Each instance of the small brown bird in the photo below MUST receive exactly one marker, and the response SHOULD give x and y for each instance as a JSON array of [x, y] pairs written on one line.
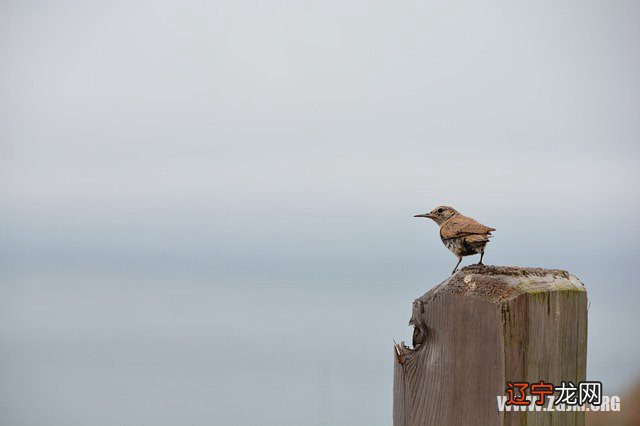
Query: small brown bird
[[462, 235]]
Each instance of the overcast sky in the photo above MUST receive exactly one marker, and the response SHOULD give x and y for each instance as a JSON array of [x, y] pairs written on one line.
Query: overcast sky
[[281, 148]]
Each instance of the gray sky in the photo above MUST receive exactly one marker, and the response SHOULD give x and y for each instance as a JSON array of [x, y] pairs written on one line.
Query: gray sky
[[174, 173]]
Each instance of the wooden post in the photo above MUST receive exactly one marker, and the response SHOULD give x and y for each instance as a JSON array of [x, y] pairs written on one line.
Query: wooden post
[[481, 328]]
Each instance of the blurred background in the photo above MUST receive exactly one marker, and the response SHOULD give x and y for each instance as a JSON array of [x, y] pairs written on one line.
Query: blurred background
[[206, 207]]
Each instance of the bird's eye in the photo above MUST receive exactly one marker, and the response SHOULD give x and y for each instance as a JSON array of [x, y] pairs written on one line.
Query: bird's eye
[[440, 210]]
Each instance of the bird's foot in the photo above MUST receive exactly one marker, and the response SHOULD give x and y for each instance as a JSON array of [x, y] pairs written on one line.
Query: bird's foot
[[480, 263]]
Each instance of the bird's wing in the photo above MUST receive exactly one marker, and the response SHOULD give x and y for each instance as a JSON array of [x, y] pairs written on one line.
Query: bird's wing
[[477, 238], [460, 226]]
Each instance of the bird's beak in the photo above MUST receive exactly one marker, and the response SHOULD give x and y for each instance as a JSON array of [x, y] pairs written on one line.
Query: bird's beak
[[429, 215]]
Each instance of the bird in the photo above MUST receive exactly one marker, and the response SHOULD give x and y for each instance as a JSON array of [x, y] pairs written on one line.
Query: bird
[[462, 235]]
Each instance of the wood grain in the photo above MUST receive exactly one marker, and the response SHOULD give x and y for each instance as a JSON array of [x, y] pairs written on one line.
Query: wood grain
[[483, 327]]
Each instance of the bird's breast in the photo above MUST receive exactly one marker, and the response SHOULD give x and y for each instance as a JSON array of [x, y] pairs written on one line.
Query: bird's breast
[[453, 244]]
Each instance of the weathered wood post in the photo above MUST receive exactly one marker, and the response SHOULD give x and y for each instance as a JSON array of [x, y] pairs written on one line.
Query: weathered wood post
[[484, 327]]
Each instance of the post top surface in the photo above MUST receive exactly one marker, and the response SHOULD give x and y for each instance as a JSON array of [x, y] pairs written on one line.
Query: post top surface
[[500, 283]]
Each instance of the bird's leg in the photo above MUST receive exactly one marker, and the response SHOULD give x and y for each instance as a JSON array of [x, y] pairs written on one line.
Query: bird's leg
[[481, 256], [454, 269]]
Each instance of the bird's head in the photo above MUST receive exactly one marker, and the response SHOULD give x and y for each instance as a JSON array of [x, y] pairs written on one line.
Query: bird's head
[[440, 214]]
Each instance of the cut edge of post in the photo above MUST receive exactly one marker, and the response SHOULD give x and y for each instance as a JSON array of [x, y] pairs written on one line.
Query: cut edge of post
[[479, 281]]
